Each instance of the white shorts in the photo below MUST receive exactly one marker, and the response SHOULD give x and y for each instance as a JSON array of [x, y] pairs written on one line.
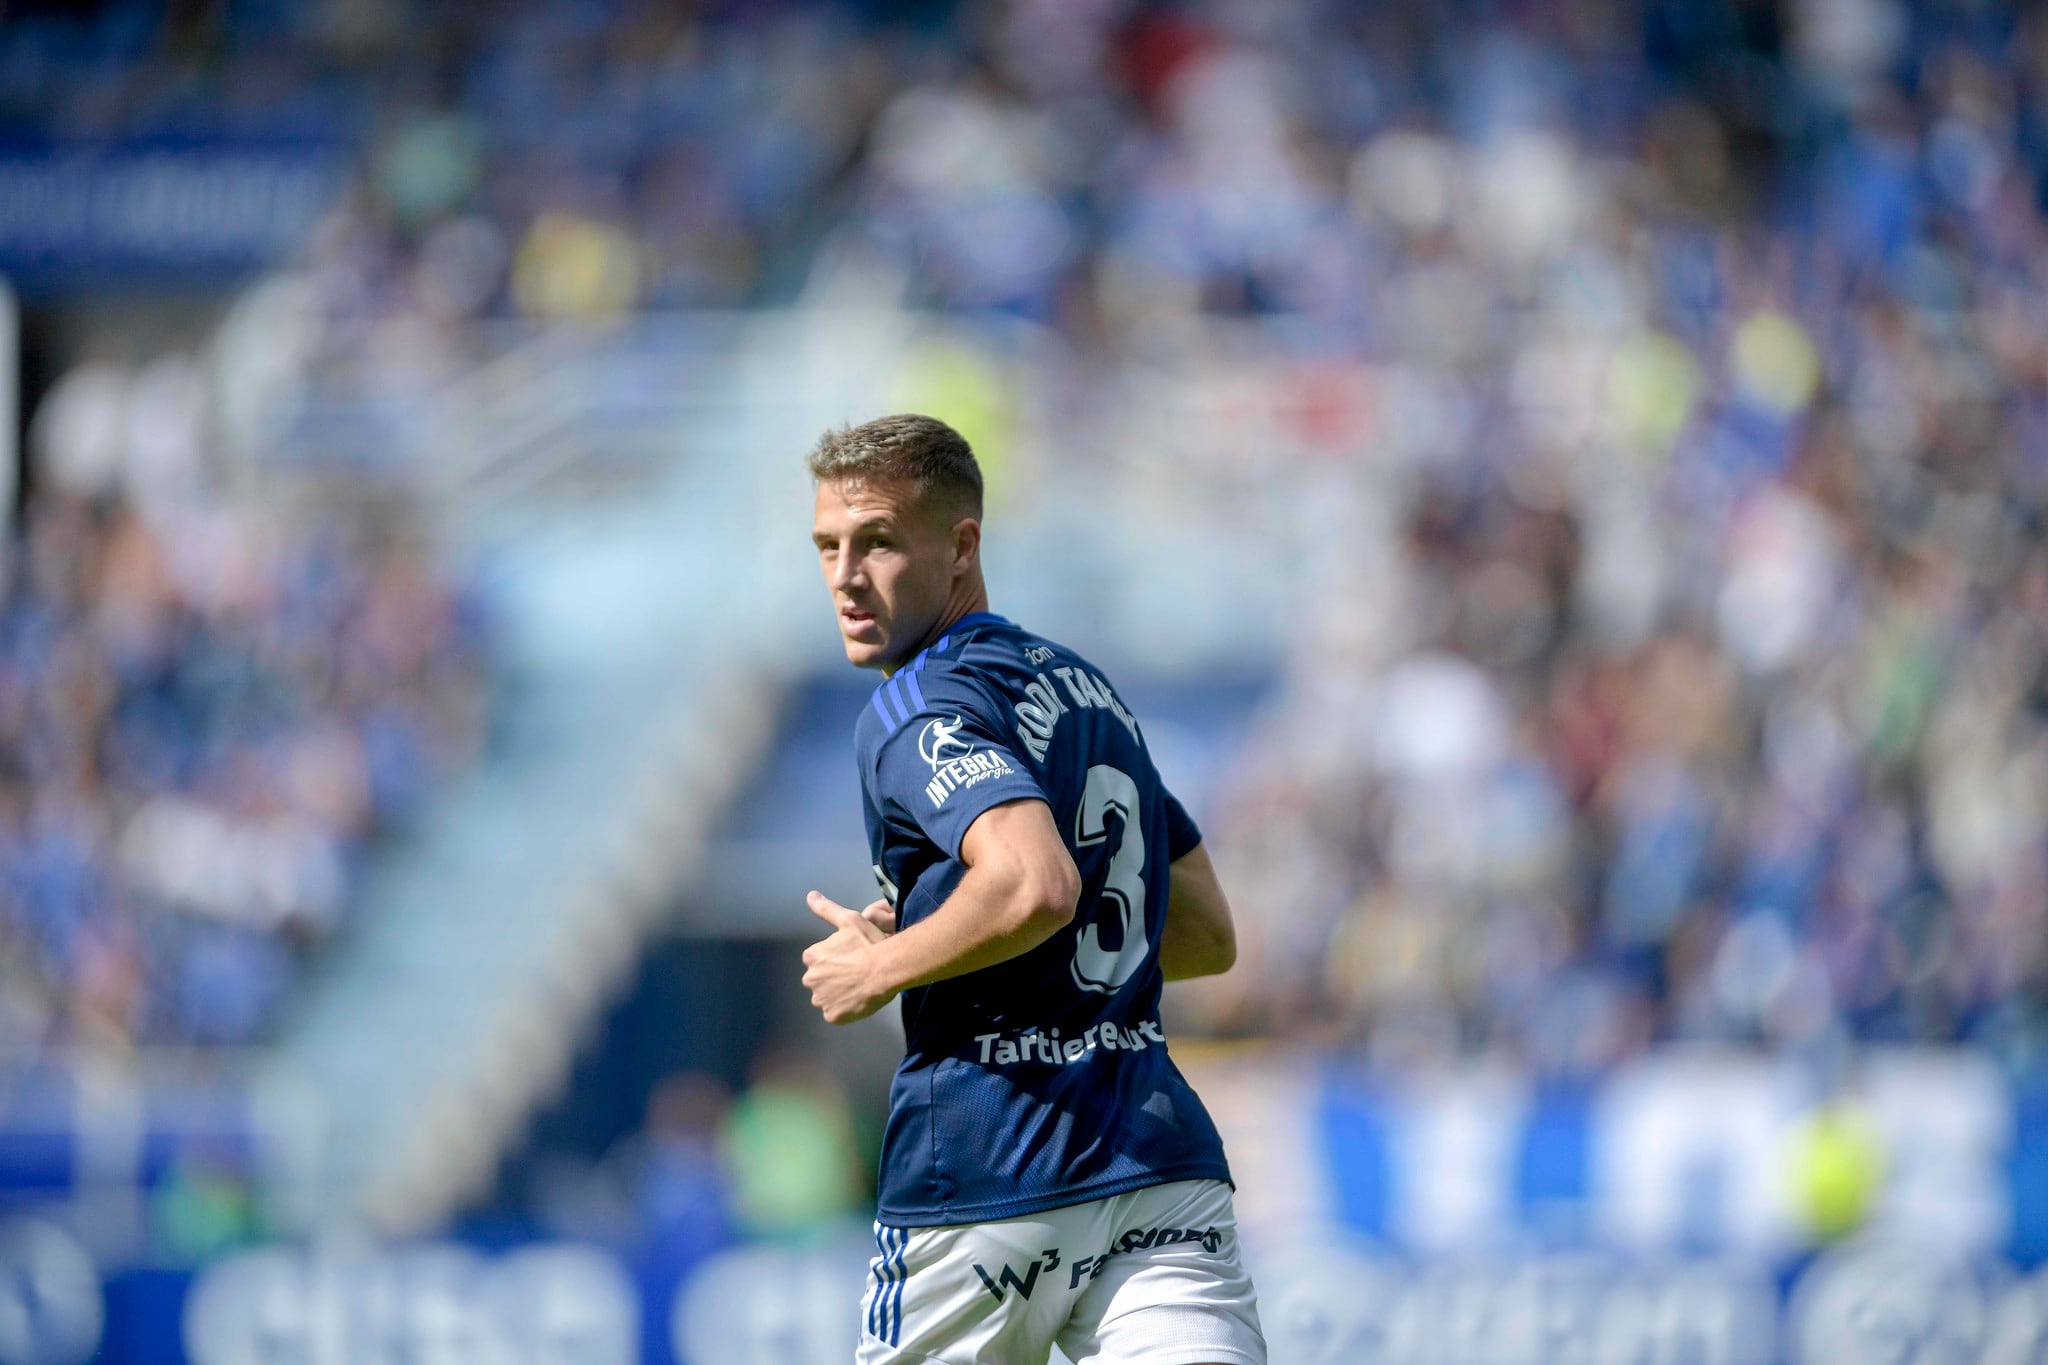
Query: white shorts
[[1146, 1278]]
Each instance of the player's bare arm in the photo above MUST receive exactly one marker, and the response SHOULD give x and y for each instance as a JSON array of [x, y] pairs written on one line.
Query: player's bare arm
[[1199, 939], [1020, 888]]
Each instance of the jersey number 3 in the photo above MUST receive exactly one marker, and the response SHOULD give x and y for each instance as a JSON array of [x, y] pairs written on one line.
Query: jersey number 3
[[1097, 968]]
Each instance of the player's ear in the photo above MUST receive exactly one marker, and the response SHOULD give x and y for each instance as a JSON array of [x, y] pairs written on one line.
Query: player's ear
[[966, 544]]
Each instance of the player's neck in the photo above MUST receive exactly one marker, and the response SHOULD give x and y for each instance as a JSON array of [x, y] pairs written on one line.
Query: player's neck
[[971, 598]]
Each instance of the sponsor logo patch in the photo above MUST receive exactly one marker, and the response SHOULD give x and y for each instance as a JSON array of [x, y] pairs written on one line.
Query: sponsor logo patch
[[956, 763], [940, 742]]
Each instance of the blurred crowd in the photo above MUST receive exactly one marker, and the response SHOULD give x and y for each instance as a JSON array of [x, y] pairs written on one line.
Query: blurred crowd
[[1673, 460], [211, 707], [1655, 397]]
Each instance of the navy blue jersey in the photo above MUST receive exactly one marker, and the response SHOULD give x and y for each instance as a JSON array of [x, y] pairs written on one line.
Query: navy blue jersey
[[1042, 1081]]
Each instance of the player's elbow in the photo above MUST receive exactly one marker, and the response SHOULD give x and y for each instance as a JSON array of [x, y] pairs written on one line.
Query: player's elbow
[[1053, 893], [1218, 948], [1015, 851], [1045, 893], [1199, 947]]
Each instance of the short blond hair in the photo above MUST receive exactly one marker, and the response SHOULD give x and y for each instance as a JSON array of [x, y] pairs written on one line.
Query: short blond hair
[[908, 448]]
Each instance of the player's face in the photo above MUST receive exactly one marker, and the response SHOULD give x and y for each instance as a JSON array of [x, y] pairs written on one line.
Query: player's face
[[889, 569]]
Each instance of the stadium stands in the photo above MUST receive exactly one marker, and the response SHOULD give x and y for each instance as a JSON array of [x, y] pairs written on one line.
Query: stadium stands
[[1670, 445], [210, 717], [1607, 440]]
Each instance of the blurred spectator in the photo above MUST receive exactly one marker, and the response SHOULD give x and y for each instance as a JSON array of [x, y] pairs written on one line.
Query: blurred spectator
[[572, 268], [203, 1207], [789, 1142], [680, 1183], [1837, 1168], [78, 441]]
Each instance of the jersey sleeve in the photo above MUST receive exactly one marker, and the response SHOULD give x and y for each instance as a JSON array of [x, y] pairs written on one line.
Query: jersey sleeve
[[1182, 835], [943, 763]]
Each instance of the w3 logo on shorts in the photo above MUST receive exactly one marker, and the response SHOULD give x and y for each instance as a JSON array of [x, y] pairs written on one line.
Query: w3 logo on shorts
[[1008, 1279]]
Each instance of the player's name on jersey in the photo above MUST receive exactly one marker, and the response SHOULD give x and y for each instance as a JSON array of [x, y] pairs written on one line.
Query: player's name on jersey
[[1039, 715], [1035, 1045]]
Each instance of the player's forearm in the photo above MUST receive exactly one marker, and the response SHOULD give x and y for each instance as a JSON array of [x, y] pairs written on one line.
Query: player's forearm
[[1196, 944], [1199, 938], [993, 915]]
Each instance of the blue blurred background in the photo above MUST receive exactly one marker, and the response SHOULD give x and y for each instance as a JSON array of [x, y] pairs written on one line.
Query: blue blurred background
[[1562, 482]]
